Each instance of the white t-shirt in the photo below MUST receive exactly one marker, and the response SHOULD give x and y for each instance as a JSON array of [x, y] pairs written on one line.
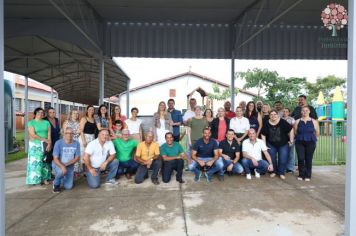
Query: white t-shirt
[[188, 114], [133, 126], [254, 150], [99, 154], [239, 125]]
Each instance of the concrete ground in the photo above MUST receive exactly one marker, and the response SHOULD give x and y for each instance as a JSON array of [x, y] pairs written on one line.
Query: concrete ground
[[235, 207]]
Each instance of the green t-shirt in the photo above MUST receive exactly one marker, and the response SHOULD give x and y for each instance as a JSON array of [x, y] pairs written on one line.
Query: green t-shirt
[[197, 126], [172, 151], [124, 149], [40, 127]]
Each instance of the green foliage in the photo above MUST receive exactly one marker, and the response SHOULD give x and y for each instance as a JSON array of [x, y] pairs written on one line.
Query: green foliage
[[20, 139], [221, 95], [326, 85]]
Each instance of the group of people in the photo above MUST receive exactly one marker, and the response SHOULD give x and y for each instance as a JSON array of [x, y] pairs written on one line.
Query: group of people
[[253, 140]]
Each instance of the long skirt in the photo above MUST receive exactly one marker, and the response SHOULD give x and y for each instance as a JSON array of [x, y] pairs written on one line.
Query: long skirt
[[37, 170]]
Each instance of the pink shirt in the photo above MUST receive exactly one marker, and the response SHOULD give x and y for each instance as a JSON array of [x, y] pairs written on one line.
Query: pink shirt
[[222, 130]]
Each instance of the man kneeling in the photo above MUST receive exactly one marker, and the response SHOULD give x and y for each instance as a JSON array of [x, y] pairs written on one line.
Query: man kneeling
[[99, 156], [173, 159], [66, 152], [252, 149], [205, 155]]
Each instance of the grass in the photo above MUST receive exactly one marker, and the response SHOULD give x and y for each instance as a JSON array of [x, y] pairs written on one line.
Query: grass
[[20, 139]]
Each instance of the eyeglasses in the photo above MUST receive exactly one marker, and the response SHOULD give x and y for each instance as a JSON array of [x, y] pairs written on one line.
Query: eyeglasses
[[68, 133]]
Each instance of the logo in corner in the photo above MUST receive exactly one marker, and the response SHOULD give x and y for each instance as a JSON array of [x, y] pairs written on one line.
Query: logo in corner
[[334, 17]]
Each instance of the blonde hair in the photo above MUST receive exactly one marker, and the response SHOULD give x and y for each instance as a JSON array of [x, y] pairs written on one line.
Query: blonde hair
[[69, 118]]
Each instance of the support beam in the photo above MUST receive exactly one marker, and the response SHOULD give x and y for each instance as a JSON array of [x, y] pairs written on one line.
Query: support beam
[[350, 191], [26, 114], [52, 99], [128, 99], [2, 122], [101, 81], [232, 87]]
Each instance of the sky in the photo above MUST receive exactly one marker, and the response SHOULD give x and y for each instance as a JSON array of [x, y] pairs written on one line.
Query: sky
[[146, 70]]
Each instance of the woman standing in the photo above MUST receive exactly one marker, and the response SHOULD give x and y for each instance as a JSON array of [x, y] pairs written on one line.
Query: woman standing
[[116, 115], [240, 125], [209, 115], [39, 130], [291, 121], [219, 126], [134, 125], [253, 117], [73, 123], [197, 125], [55, 131], [87, 131], [307, 132], [265, 113], [278, 134], [162, 123], [102, 119]]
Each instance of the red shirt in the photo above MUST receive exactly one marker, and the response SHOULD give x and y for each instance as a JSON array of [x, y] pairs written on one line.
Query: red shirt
[[222, 130], [230, 114]]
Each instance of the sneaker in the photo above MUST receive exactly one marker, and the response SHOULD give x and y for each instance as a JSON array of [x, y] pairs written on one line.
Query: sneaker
[[307, 179], [181, 181], [248, 176], [272, 175], [282, 177], [208, 178], [300, 178], [111, 182], [155, 181], [221, 178], [56, 189], [197, 177], [257, 175]]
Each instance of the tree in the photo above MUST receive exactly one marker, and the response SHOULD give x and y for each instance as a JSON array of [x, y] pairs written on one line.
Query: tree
[[221, 95], [263, 80], [326, 85]]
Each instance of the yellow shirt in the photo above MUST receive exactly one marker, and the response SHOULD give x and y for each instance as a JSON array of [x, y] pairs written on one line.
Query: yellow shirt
[[147, 153]]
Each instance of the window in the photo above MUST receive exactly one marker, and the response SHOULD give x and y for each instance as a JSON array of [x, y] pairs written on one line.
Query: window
[[18, 105], [172, 93], [32, 105]]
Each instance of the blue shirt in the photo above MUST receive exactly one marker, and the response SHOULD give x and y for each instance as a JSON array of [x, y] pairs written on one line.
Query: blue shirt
[[66, 152], [176, 117], [205, 150]]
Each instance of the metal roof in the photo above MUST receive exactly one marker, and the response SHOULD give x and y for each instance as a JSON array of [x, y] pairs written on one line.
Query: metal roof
[[71, 70]]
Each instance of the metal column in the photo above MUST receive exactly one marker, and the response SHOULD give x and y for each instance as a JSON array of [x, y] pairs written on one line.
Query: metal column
[[128, 99], [101, 81], [2, 122], [26, 114], [52, 100], [350, 197], [232, 88]]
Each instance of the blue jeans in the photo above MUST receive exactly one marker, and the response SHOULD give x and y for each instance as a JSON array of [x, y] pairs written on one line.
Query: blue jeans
[[216, 167], [130, 166], [291, 161], [236, 169], [94, 181], [66, 180], [279, 167], [248, 166]]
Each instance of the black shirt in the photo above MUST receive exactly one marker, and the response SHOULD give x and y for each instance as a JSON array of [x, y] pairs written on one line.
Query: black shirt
[[214, 126], [297, 113], [228, 149], [277, 135]]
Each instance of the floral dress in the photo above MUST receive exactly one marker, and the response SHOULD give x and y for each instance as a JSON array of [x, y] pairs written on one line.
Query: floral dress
[[37, 170]]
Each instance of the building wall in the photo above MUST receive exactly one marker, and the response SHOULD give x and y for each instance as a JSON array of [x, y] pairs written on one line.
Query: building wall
[[147, 99]]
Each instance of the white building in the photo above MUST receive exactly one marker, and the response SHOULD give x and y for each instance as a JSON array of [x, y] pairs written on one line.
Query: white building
[[181, 88]]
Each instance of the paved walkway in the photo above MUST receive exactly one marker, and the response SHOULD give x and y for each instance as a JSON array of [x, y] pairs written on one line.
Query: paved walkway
[[235, 207]]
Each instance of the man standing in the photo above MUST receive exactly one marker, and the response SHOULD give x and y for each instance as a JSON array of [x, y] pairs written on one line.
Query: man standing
[[173, 159], [190, 113], [278, 106], [297, 113], [147, 155], [125, 149], [228, 113], [66, 152], [205, 155], [177, 119], [229, 150], [243, 106], [259, 105], [252, 149], [100, 155]]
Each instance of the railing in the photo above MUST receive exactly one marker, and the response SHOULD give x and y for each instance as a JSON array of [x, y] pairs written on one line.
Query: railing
[[331, 146]]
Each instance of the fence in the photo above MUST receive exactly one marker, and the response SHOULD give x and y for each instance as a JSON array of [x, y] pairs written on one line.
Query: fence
[[331, 146]]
